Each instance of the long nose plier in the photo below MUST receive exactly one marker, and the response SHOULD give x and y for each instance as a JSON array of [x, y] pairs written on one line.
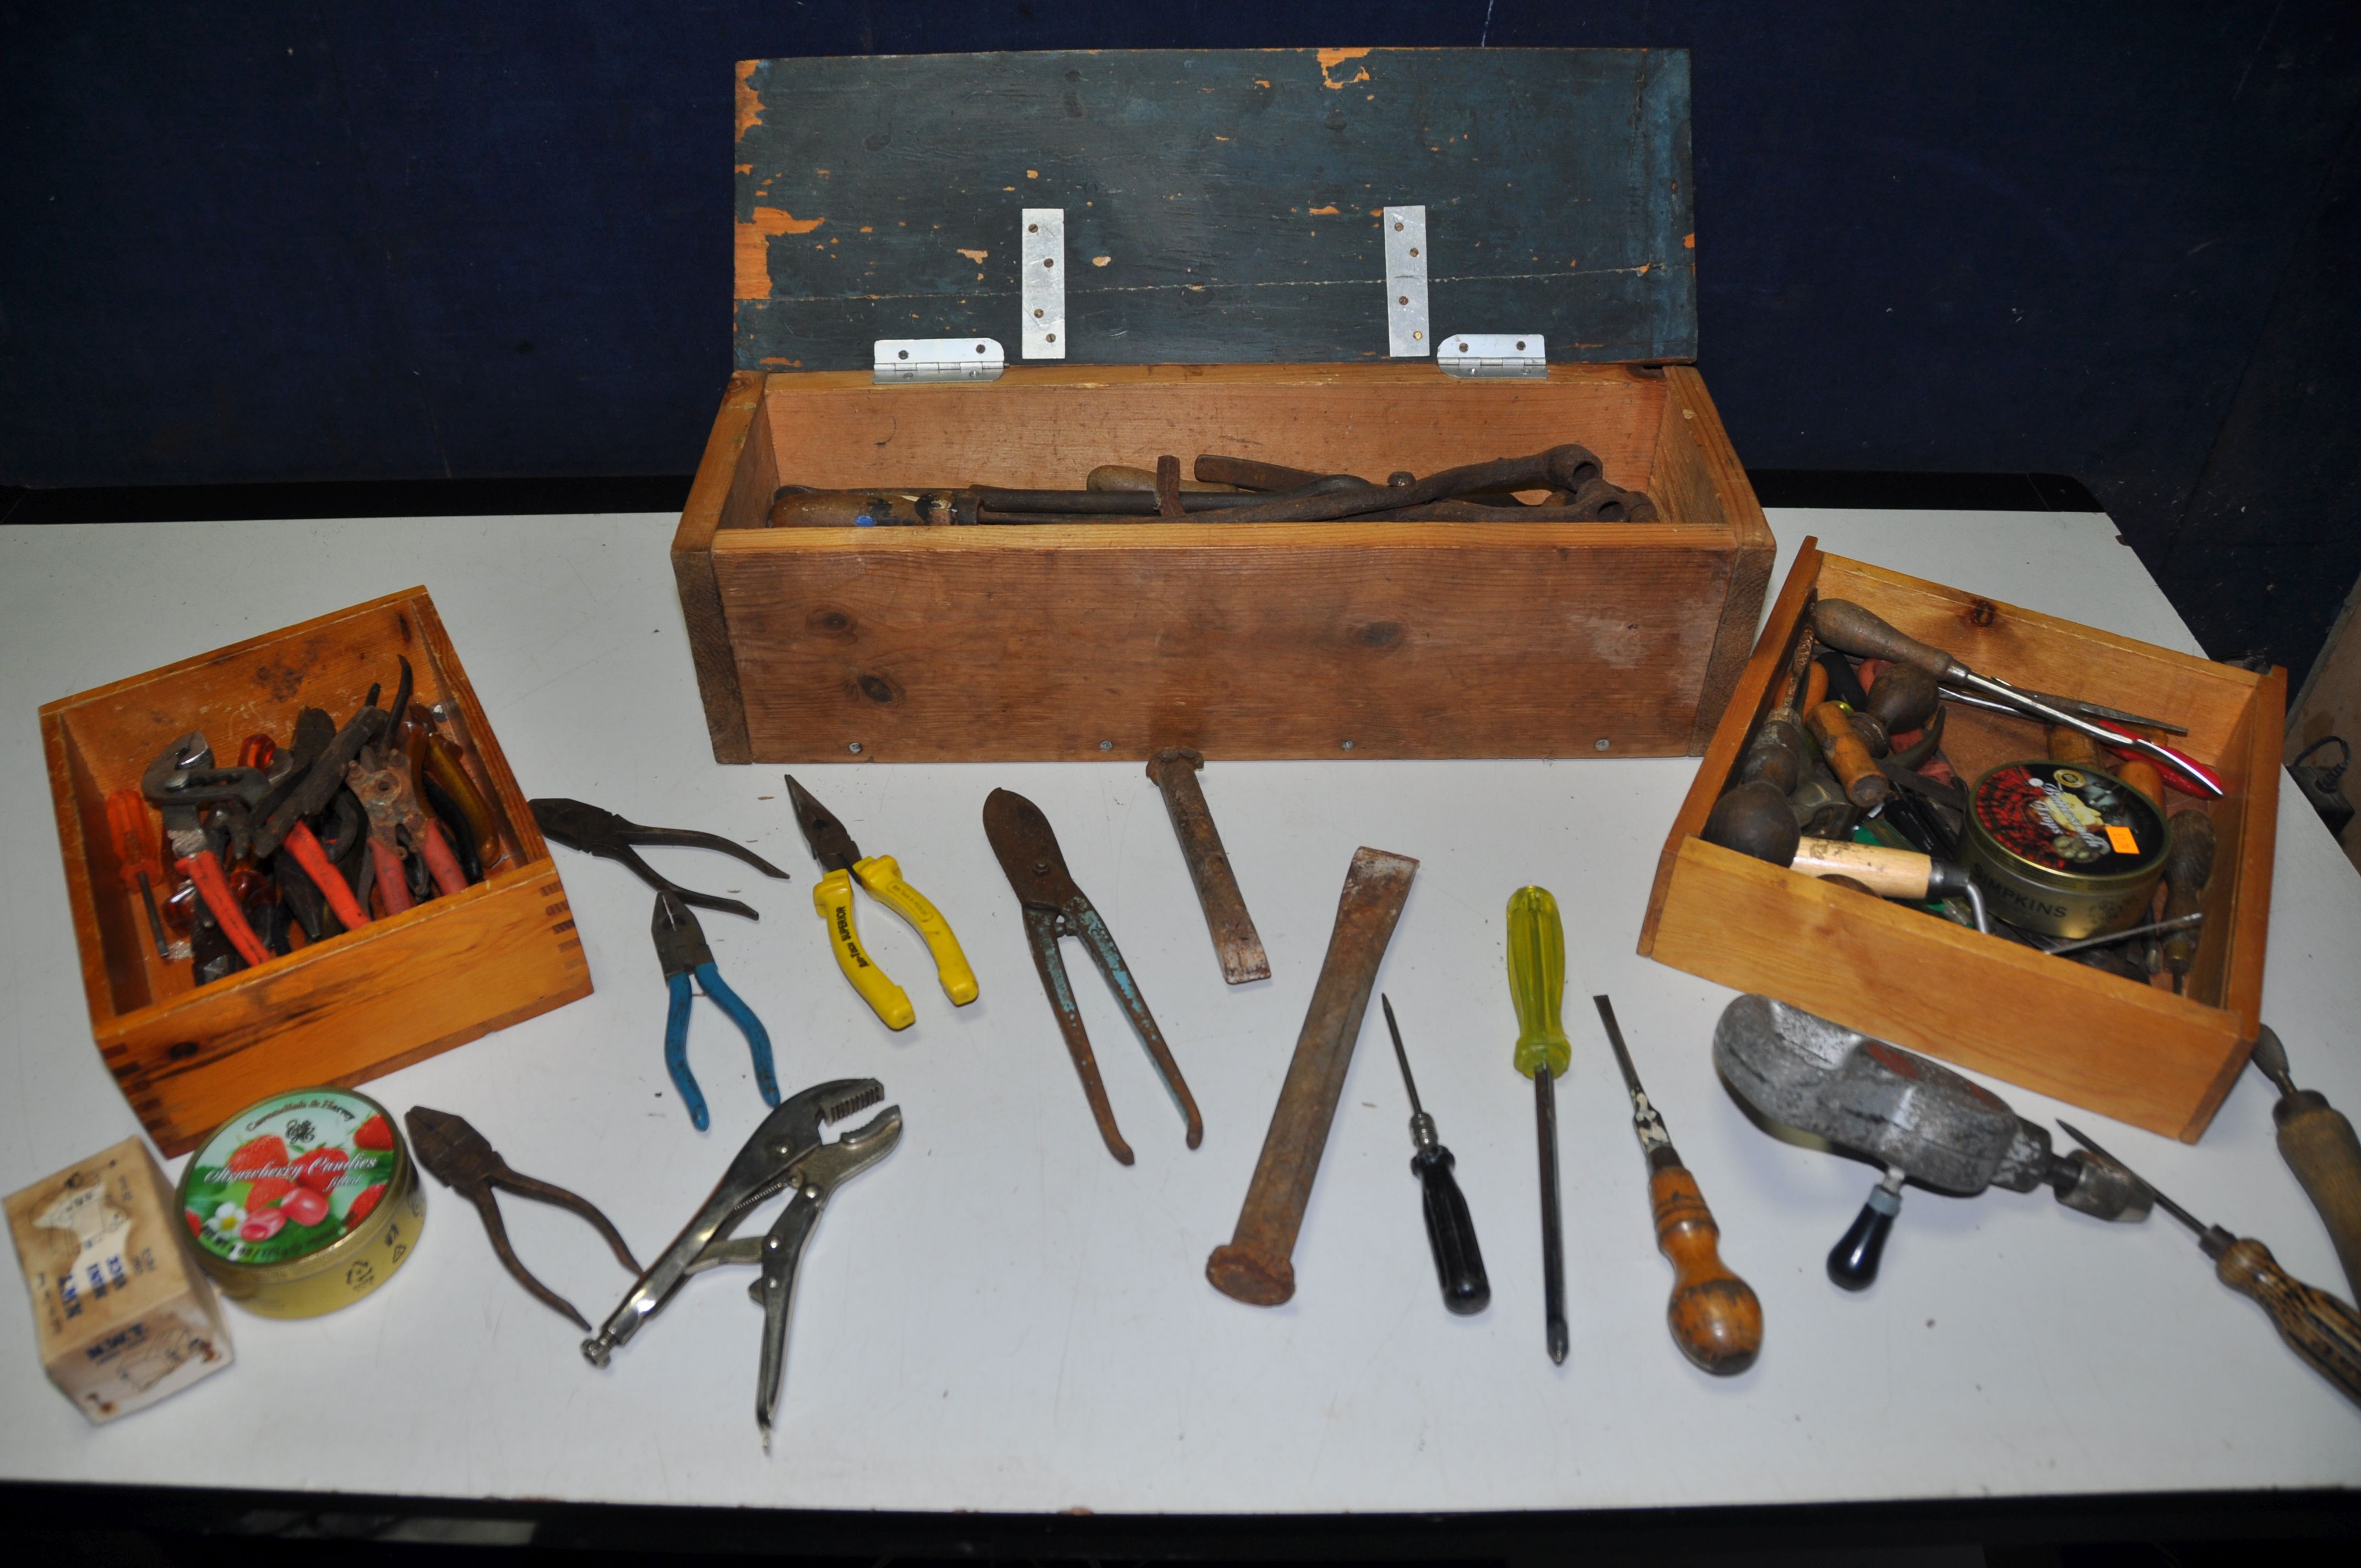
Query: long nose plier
[[681, 949], [579, 825], [840, 859]]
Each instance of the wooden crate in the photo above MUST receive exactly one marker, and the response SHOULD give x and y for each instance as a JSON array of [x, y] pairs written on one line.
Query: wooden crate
[[2138, 1053], [338, 1011], [1263, 641], [1227, 291]]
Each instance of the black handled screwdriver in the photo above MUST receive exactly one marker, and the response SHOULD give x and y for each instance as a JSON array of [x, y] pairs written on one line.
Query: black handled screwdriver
[[2316, 1325], [1458, 1262]]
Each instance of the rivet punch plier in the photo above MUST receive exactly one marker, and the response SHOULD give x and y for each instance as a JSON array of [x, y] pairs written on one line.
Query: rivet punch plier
[[681, 947], [785, 1152], [1055, 908], [579, 825], [842, 861]]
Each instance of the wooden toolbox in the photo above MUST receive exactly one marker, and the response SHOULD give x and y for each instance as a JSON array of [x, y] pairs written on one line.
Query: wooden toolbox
[[1229, 294], [338, 1011], [2138, 1053]]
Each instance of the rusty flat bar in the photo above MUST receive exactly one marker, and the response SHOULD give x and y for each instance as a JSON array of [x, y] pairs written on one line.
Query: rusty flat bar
[[1236, 941], [1257, 1266]]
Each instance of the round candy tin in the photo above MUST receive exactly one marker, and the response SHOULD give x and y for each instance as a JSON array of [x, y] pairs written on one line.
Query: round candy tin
[[2061, 849], [303, 1203]]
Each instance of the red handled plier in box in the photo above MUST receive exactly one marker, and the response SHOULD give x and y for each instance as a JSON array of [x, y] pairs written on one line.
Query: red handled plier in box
[[380, 781]]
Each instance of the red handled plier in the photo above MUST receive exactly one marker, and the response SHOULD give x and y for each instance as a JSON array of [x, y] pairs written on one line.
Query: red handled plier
[[380, 781]]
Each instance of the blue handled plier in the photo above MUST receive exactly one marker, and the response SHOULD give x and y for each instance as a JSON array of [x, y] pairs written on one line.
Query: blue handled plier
[[681, 949]]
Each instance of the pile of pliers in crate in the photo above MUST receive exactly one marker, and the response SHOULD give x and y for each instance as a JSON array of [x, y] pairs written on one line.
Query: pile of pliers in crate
[[299, 842]]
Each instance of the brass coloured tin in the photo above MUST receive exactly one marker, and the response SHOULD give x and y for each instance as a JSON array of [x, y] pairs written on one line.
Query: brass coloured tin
[[346, 1264], [2022, 882]]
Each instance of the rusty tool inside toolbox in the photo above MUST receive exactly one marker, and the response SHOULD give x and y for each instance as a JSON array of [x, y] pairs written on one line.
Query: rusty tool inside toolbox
[[1235, 942], [267, 853], [1243, 491], [1257, 1266], [1054, 908]]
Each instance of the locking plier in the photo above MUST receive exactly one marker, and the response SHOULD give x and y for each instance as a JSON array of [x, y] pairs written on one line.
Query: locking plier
[[785, 1152]]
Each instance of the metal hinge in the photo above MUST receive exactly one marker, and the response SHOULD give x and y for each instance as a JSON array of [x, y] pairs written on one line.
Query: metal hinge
[[1495, 354], [1042, 282], [937, 359], [1404, 229]]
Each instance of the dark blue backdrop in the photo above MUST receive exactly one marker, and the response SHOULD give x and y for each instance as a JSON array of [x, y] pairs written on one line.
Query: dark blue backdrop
[[271, 242]]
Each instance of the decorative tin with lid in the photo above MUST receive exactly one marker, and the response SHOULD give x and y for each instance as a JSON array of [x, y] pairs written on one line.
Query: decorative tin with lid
[[2063, 850], [302, 1202]]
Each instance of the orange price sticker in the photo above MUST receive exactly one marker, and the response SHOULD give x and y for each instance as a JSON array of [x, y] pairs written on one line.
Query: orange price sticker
[[2121, 837]]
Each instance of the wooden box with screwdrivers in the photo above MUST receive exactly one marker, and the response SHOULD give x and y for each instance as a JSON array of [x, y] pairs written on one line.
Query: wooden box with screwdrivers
[[1994, 760], [1286, 526], [298, 861]]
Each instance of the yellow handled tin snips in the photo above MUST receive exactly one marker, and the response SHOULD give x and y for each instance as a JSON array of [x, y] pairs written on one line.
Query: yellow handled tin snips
[[842, 861]]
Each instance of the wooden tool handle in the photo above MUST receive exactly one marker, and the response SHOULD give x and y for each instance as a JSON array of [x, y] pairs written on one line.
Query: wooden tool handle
[[1715, 1317], [1902, 698], [1889, 873], [2319, 1147], [2073, 745], [1847, 758], [1840, 623], [2315, 1325]]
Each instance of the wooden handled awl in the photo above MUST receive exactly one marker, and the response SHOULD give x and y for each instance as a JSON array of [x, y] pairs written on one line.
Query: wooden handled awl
[[1715, 1317], [2318, 1144], [2323, 1329]]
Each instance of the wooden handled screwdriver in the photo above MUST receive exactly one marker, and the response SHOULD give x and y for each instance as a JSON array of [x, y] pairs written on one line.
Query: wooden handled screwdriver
[[2314, 1324], [1715, 1317], [2318, 1144], [1450, 1233]]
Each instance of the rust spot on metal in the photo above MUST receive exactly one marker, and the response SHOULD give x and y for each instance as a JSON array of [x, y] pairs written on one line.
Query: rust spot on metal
[[1328, 211], [975, 255]]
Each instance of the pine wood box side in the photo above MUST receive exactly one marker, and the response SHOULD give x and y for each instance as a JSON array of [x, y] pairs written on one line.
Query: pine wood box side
[[342, 1011], [1280, 640], [2137, 1053]]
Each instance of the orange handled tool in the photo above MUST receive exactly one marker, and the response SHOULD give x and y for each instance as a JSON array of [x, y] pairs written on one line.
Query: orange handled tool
[[1848, 758], [304, 846], [1715, 1316], [139, 857]]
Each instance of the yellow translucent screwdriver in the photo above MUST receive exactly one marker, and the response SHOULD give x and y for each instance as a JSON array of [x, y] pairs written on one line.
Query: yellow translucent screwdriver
[[1537, 985]]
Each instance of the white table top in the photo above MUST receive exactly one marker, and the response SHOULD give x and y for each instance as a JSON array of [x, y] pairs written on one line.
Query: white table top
[[1001, 1318]]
